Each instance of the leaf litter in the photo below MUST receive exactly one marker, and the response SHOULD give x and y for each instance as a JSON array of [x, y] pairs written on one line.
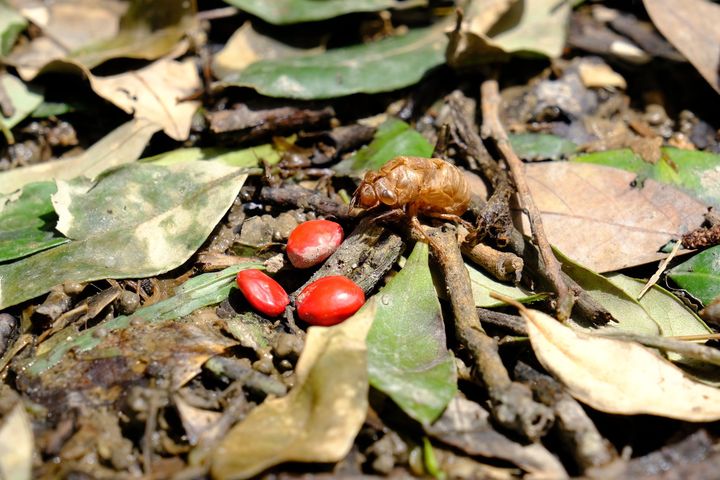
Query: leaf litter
[[173, 369]]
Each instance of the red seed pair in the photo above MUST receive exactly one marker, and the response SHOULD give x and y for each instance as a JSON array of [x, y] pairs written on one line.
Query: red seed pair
[[327, 301]]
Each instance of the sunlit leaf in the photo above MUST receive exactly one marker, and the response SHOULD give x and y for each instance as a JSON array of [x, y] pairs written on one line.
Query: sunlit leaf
[[407, 350], [320, 417], [24, 98], [616, 376], [137, 221], [123, 145], [700, 275], [27, 223], [246, 157], [483, 285], [296, 11], [380, 66], [393, 138], [16, 444]]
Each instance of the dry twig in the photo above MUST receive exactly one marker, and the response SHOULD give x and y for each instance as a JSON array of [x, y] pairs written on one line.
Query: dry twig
[[492, 128]]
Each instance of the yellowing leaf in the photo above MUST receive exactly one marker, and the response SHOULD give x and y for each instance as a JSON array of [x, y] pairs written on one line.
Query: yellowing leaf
[[319, 419], [616, 376]]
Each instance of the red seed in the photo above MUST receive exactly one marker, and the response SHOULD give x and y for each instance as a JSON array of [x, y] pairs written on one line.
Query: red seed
[[329, 300], [262, 292], [313, 241]]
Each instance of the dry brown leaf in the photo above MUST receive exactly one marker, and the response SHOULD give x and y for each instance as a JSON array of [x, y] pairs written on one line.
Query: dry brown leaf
[[155, 93], [616, 376], [692, 27], [16, 444], [319, 419], [593, 215]]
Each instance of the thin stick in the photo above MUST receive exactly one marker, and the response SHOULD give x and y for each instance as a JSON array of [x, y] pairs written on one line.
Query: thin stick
[[492, 128], [663, 265]]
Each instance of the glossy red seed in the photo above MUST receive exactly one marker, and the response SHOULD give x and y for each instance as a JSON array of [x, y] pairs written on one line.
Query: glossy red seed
[[329, 300], [262, 292], [312, 242]]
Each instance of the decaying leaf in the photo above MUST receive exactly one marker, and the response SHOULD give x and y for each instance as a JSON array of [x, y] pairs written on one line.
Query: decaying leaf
[[11, 24], [91, 32], [620, 377], [138, 221], [198, 292], [692, 28], [16, 445], [595, 215], [379, 66], [155, 93], [493, 29], [123, 145], [408, 358], [466, 425], [319, 419]]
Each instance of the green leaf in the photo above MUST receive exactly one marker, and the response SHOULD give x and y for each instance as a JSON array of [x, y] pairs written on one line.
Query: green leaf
[[630, 315], [282, 12], [122, 145], [247, 157], [26, 223], [692, 171], [407, 351], [320, 417], [700, 275], [381, 66], [137, 221], [11, 24], [394, 137], [24, 98], [482, 285], [201, 291], [541, 146], [673, 316], [50, 109]]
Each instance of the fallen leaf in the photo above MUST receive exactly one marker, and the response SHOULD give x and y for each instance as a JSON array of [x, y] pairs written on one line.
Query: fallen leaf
[[483, 285], [195, 421], [380, 66], [393, 138], [320, 417], [24, 98], [525, 27], [620, 377], [11, 24], [16, 445], [695, 172], [247, 46], [282, 12], [466, 425], [137, 221], [27, 223], [692, 28], [600, 75], [155, 93], [672, 316], [246, 157], [595, 216], [700, 275], [123, 145], [91, 32], [408, 359]]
